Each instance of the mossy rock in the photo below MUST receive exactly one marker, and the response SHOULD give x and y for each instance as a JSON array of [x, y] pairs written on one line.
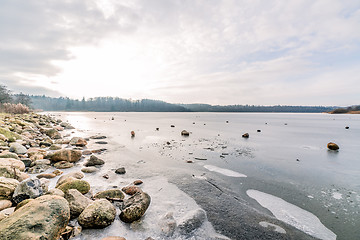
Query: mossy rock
[[9, 135], [111, 194], [80, 185]]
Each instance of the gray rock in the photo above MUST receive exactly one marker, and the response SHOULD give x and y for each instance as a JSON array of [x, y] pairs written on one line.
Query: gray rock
[[30, 188], [101, 213], [77, 202], [93, 161], [120, 170], [135, 207], [192, 221], [17, 148]]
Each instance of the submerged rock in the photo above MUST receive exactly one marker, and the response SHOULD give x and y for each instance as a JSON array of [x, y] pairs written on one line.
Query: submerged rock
[[101, 213], [167, 224], [135, 207], [43, 218], [185, 133], [245, 135], [77, 202], [192, 221], [332, 146], [30, 188]]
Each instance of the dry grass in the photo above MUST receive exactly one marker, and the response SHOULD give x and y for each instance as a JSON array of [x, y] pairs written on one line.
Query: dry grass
[[14, 108]]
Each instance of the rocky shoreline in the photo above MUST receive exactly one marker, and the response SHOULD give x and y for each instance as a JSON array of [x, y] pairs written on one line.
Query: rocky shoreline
[[31, 144]]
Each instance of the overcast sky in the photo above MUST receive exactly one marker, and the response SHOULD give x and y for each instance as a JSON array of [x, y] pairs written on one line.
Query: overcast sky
[[298, 52]]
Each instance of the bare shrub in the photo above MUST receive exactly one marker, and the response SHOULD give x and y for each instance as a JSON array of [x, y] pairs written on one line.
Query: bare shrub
[[14, 108]]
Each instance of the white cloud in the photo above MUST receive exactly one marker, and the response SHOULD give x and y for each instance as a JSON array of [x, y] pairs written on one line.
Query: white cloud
[[218, 52]]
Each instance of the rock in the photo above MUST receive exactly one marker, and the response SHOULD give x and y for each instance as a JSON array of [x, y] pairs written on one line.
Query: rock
[[98, 137], [192, 221], [99, 150], [135, 207], [347, 127], [138, 182], [86, 152], [101, 213], [89, 169], [68, 155], [42, 162], [17, 148], [93, 161], [110, 194], [185, 133], [101, 142], [6, 213], [57, 172], [9, 155], [245, 135], [132, 134], [55, 147], [36, 151], [332, 146], [36, 157], [113, 238], [66, 125], [5, 204], [11, 162], [23, 203], [11, 172], [168, 224], [30, 188], [120, 170], [106, 176], [44, 218], [52, 133], [63, 165], [73, 183], [3, 138], [55, 191], [77, 202], [78, 141], [131, 190], [172, 126], [62, 179], [38, 169], [46, 175], [27, 162], [258, 130]]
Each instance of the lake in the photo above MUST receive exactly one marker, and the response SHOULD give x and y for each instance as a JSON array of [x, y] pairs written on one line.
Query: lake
[[280, 183]]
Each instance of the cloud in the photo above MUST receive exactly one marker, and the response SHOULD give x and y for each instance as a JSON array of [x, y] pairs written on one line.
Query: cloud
[[219, 52]]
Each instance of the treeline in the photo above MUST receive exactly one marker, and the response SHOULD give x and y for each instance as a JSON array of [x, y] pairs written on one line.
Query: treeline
[[255, 108], [351, 109], [103, 104]]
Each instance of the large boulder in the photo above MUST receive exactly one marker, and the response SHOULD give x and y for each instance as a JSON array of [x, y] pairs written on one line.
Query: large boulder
[[30, 188], [68, 155], [93, 161], [110, 194], [11, 162], [73, 183], [43, 218], [78, 141], [17, 148], [135, 207], [77, 202], [101, 213], [7, 187]]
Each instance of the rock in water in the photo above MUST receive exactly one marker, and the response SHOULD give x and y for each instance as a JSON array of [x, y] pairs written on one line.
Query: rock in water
[[43, 218], [93, 161], [185, 133], [168, 224], [101, 213], [135, 207], [245, 135], [17, 148], [120, 170], [7, 187], [77, 202], [192, 221], [68, 155], [332, 146], [30, 188]]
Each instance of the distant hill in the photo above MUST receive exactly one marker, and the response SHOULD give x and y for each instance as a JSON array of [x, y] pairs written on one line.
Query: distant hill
[[115, 104], [348, 110]]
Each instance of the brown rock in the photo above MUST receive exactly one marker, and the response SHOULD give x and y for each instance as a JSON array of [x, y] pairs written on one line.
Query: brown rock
[[63, 165], [46, 175], [68, 155], [131, 190], [78, 141], [5, 204], [332, 146], [138, 182]]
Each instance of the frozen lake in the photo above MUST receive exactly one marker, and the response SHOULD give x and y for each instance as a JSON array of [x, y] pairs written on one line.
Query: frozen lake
[[285, 160]]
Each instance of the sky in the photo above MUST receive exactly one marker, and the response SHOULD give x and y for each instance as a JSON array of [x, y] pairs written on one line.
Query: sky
[[261, 52]]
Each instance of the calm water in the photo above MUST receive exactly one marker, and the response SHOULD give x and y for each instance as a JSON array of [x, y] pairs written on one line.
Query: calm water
[[287, 159]]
